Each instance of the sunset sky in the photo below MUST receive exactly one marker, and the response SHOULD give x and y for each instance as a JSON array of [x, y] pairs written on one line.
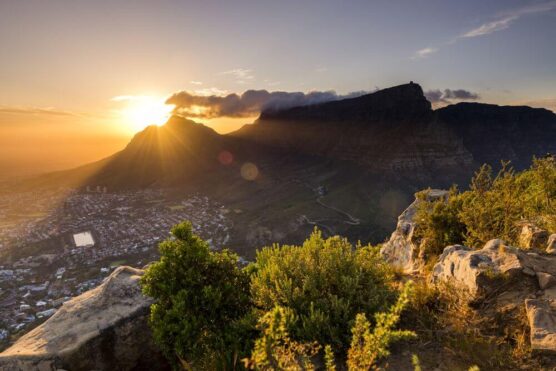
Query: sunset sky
[[79, 77]]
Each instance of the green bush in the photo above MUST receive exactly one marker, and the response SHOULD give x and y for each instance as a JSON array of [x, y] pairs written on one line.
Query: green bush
[[325, 282], [201, 318], [493, 207]]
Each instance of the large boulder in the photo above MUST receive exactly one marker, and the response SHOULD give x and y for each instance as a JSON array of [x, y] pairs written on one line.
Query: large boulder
[[402, 250], [474, 270], [102, 329], [541, 314]]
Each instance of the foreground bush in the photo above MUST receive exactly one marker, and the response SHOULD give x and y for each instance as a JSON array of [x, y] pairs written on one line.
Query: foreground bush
[[201, 315], [325, 283], [275, 350], [493, 207]]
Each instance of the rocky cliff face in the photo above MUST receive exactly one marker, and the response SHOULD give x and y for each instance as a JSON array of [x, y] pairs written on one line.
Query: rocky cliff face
[[102, 329], [395, 130]]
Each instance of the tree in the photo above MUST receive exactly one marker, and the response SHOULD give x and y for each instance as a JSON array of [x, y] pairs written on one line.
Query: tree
[[201, 315]]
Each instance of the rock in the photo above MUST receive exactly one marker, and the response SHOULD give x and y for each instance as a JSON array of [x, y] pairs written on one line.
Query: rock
[[473, 270], [542, 321], [402, 250], [529, 272], [546, 280], [102, 329], [532, 237], [551, 248]]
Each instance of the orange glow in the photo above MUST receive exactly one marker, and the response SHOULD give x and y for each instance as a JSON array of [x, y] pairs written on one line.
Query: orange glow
[[143, 111]]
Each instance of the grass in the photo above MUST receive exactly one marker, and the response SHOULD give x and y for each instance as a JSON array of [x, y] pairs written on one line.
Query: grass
[[490, 337]]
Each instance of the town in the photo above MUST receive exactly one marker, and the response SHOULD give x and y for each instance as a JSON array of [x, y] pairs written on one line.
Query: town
[[58, 244]]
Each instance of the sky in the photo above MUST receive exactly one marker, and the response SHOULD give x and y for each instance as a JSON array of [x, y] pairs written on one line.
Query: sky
[[78, 78]]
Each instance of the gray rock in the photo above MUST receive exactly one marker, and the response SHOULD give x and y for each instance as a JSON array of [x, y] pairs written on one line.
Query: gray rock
[[546, 280], [474, 269], [102, 329], [401, 250], [529, 272], [541, 315], [551, 248]]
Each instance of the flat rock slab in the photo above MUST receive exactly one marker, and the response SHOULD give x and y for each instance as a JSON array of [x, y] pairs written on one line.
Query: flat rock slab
[[104, 328], [541, 314]]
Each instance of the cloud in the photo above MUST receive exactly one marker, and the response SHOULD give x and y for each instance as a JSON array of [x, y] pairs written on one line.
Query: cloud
[[491, 27], [248, 104], [504, 20], [423, 53], [196, 82], [321, 69], [36, 111], [500, 22], [446, 96], [241, 75]]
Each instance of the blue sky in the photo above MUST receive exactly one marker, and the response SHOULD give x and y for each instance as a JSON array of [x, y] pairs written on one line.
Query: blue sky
[[78, 55]]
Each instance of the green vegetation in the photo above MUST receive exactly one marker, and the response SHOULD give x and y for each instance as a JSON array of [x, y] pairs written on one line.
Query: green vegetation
[[294, 308], [326, 282], [201, 315], [493, 207]]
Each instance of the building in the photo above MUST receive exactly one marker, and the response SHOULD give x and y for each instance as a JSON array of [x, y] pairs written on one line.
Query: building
[[83, 239]]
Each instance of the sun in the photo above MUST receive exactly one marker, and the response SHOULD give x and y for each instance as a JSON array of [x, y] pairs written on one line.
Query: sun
[[143, 111]]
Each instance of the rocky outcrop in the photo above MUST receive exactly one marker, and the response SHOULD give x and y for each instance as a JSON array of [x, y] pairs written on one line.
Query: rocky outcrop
[[102, 329], [402, 250], [509, 276], [473, 270], [542, 321]]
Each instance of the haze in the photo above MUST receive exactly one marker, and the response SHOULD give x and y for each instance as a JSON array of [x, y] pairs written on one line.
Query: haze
[[80, 78]]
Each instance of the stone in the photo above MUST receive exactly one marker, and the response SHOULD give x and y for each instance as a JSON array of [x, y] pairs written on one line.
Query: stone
[[401, 250], [546, 280], [551, 245], [528, 271], [473, 270], [532, 237], [103, 329], [541, 315]]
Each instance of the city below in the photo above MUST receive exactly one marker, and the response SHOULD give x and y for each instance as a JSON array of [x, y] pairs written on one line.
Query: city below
[[59, 244]]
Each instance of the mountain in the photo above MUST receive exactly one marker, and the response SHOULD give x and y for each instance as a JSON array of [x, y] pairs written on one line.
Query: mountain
[[395, 130], [346, 166]]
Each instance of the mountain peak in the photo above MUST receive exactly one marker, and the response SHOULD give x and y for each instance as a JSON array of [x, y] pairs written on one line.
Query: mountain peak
[[400, 102]]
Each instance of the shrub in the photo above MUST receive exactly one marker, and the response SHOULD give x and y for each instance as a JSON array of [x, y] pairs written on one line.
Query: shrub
[[493, 207], [325, 282], [439, 223], [275, 350], [367, 346], [201, 317]]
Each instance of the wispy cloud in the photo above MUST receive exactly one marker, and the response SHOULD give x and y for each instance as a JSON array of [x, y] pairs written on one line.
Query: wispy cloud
[[423, 53], [499, 22], [242, 75], [194, 82], [36, 111], [491, 27]]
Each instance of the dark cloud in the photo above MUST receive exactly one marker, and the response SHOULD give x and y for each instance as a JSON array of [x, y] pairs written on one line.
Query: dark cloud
[[248, 104], [449, 95]]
